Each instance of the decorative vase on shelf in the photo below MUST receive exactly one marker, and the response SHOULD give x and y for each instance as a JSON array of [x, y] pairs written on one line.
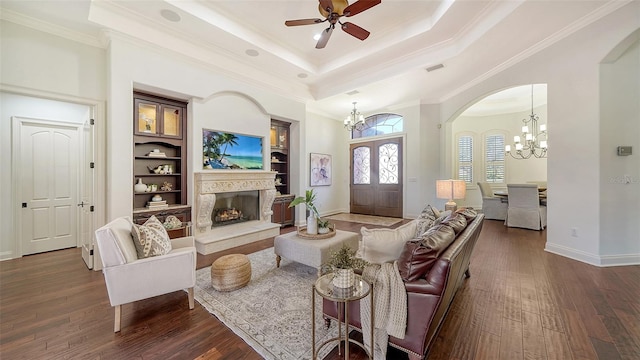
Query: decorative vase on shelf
[[344, 278], [312, 225], [140, 187]]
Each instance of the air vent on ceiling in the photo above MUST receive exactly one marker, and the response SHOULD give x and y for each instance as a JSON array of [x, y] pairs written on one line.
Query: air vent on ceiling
[[435, 67], [353, 92]]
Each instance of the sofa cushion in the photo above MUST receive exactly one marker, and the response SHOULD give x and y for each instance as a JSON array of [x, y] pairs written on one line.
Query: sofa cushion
[[457, 221], [418, 256], [381, 245], [151, 238]]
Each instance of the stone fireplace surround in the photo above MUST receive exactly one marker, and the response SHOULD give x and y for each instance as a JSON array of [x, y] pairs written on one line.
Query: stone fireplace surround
[[208, 184]]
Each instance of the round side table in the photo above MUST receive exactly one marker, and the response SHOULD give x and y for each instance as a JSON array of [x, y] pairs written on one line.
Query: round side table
[[324, 287]]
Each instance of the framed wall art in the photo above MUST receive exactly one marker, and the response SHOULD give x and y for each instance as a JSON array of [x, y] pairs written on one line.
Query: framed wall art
[[223, 150], [320, 165]]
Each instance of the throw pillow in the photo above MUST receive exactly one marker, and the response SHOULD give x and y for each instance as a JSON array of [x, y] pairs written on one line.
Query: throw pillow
[[418, 256], [429, 221], [457, 222], [151, 238], [426, 219], [382, 245], [468, 213]]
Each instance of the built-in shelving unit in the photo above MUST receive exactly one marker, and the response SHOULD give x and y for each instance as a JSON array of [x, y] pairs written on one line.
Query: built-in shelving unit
[[282, 214], [160, 158]]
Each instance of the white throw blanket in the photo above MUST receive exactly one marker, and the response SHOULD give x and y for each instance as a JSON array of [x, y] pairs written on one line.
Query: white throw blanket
[[390, 303]]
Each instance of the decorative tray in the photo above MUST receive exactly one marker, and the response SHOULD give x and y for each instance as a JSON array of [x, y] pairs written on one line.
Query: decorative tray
[[302, 232]]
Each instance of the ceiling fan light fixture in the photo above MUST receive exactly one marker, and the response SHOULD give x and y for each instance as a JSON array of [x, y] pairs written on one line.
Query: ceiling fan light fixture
[[316, 37], [338, 7]]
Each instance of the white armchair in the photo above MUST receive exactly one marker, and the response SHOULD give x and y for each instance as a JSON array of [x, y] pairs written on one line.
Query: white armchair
[[493, 207], [129, 279], [525, 210]]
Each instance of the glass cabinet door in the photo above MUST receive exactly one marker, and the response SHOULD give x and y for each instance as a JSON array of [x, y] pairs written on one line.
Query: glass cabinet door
[[146, 118], [171, 120], [279, 137]]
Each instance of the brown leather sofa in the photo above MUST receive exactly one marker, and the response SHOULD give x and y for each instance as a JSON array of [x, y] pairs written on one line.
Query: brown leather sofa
[[429, 297]]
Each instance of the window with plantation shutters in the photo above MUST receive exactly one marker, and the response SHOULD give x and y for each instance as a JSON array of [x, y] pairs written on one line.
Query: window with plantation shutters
[[494, 158], [465, 158]]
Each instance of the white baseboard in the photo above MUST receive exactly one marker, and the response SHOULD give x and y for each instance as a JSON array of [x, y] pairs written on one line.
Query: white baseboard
[[593, 259]]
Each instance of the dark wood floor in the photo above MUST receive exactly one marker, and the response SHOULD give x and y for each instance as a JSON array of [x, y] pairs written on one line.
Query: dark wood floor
[[520, 303]]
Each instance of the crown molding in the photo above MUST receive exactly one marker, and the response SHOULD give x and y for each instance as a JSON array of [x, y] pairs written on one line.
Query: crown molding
[[49, 28], [577, 25]]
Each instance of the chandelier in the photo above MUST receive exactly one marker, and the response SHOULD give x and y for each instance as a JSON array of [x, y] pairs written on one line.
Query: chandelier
[[533, 141], [355, 120]]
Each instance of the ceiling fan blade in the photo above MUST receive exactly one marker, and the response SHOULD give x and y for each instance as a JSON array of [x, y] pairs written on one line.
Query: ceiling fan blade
[[360, 6], [326, 5], [324, 38], [355, 30], [303, 22]]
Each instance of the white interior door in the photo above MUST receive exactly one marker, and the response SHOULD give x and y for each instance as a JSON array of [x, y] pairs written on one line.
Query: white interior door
[[48, 182], [86, 194]]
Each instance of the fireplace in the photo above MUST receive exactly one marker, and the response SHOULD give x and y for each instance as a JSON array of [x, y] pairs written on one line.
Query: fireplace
[[233, 208]]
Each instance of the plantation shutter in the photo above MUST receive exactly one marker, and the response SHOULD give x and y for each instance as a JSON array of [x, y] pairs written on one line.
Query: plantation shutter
[[465, 159], [494, 158]]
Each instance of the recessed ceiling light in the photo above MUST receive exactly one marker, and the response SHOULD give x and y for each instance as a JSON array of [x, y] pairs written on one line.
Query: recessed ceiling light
[[316, 37], [252, 52], [170, 15], [302, 75]]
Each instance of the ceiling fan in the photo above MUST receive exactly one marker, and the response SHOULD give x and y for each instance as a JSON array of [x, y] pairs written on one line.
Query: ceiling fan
[[333, 10]]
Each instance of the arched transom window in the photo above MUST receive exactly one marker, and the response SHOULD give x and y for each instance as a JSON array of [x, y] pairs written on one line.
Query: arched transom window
[[379, 124]]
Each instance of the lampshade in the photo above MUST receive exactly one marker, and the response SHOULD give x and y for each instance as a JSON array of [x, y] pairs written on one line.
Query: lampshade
[[450, 190]]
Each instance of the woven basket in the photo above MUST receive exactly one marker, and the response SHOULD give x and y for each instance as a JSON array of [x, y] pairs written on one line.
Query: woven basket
[[230, 272]]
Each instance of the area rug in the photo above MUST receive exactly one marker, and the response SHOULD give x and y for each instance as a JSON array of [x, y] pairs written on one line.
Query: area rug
[[273, 312], [365, 219]]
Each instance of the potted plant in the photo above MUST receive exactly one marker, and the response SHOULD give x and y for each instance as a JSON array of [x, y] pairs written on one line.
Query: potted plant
[[342, 263], [323, 226], [312, 219]]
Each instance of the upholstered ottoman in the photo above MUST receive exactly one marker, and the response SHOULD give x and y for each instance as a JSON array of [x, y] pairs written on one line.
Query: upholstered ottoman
[[309, 252], [230, 272]]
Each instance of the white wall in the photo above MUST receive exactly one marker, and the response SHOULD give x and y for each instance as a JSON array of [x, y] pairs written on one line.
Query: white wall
[[326, 136], [216, 102], [36, 60], [620, 175], [45, 67], [570, 68], [516, 171]]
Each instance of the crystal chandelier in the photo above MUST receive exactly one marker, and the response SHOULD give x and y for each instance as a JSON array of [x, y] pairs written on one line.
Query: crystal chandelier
[[533, 141], [355, 120]]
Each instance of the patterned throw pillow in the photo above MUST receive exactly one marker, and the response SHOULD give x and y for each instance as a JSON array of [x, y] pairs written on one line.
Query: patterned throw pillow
[[425, 220], [468, 213], [151, 238]]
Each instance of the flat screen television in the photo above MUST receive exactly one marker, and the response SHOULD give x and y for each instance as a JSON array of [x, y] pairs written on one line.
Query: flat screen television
[[224, 150]]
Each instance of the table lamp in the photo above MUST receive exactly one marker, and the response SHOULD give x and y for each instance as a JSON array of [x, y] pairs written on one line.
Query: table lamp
[[450, 190]]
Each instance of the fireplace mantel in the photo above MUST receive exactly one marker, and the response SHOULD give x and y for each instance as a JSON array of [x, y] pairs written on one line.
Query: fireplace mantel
[[210, 183]]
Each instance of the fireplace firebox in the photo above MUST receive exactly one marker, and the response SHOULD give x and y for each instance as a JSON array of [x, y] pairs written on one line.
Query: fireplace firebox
[[235, 207]]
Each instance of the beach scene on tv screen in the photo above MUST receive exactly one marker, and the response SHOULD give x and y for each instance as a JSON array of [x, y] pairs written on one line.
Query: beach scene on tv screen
[[222, 150]]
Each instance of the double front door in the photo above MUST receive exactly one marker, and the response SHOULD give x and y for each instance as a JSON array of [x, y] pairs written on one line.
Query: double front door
[[376, 178]]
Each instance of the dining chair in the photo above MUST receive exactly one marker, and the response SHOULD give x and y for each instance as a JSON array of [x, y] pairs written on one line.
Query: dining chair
[[524, 209], [493, 206]]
